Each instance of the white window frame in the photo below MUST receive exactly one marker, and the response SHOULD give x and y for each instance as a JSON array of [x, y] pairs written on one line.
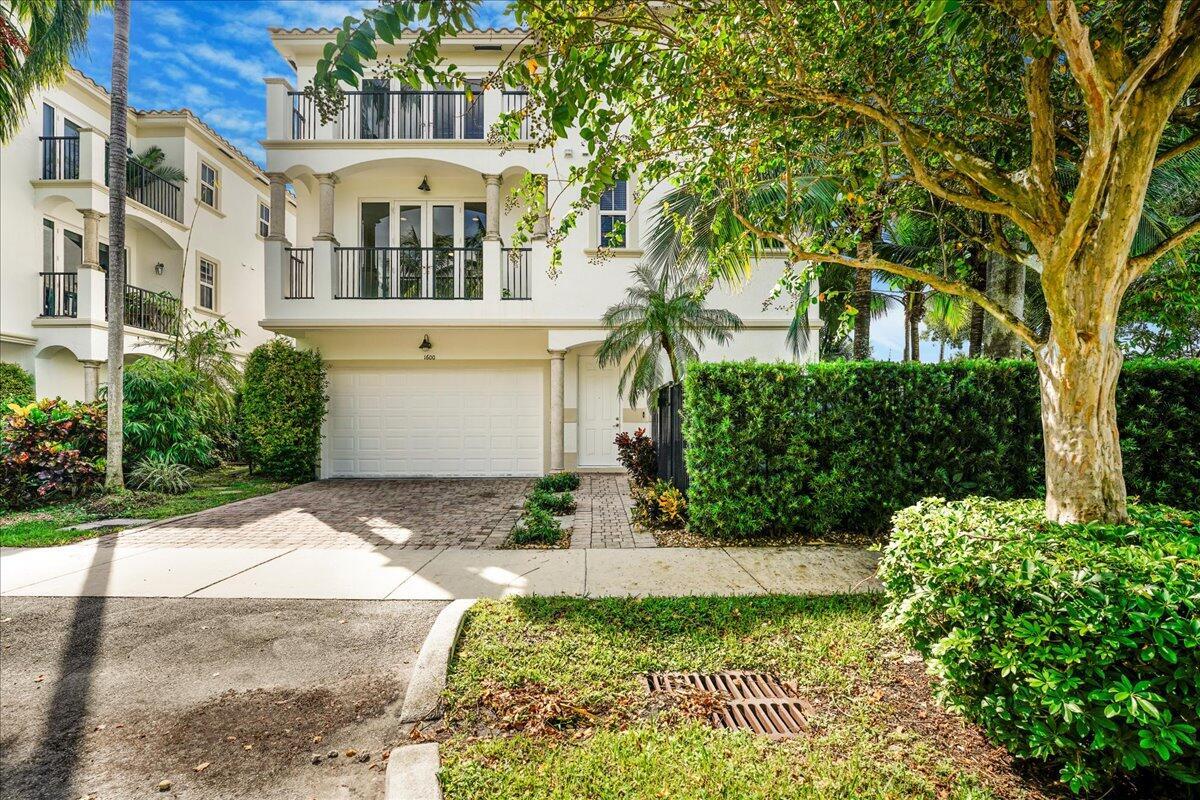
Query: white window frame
[[261, 221], [215, 186], [615, 213], [214, 285]]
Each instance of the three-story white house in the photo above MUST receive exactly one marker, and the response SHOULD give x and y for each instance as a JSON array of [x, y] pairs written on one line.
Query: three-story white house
[[192, 246], [451, 353]]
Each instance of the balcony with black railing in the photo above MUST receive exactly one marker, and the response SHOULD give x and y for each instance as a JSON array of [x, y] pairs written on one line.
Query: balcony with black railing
[[514, 273], [151, 311], [408, 273], [399, 115], [298, 277], [60, 294], [61, 162]]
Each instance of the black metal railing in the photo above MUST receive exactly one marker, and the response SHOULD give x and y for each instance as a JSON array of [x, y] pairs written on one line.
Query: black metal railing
[[298, 282], [153, 191], [514, 273], [515, 100], [60, 158], [60, 294], [408, 273], [150, 311], [379, 114]]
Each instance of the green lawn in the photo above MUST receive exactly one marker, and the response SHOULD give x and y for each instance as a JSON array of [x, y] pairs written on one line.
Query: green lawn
[[544, 702], [44, 526]]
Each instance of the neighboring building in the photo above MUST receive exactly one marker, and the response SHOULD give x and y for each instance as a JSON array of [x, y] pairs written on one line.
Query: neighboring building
[[449, 354], [193, 247]]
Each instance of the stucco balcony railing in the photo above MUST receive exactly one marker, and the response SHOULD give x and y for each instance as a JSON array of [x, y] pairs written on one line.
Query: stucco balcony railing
[[388, 115], [408, 273]]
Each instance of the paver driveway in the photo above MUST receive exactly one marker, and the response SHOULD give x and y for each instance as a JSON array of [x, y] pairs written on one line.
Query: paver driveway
[[356, 514]]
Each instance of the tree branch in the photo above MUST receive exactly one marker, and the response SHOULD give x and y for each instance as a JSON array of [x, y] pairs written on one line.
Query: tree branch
[[1140, 264], [1185, 146], [1042, 134]]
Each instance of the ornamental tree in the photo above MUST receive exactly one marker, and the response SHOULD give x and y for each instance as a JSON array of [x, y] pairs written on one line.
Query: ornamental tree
[[1045, 117]]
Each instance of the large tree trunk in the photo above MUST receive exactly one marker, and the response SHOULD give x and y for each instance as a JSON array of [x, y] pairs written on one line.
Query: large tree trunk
[[1084, 478], [1006, 285], [114, 479], [862, 320]]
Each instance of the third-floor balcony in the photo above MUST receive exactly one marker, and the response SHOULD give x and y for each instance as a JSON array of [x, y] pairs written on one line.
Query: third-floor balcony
[[66, 158]]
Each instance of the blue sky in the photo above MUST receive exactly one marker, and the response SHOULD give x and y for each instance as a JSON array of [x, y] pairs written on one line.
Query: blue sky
[[211, 55]]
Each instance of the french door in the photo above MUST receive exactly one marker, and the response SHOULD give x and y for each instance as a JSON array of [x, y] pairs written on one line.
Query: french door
[[422, 249]]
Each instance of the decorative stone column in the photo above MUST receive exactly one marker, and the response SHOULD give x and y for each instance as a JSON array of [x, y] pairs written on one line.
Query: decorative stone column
[[91, 238], [325, 216], [542, 225], [91, 380], [492, 182], [556, 410], [278, 227]]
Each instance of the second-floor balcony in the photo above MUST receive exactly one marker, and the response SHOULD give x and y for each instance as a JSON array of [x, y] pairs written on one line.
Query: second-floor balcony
[[62, 160], [405, 115], [157, 312]]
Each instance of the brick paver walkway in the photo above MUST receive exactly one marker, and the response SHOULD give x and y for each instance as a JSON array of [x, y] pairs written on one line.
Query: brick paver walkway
[[409, 513]]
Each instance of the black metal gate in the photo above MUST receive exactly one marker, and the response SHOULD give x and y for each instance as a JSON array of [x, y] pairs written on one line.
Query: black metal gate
[[666, 427]]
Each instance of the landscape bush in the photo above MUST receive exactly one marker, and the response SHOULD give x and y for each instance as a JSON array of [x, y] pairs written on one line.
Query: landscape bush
[[1074, 644], [49, 451], [164, 418], [537, 526], [558, 482], [157, 474], [660, 505], [783, 448], [16, 386], [638, 456], [558, 504], [281, 410]]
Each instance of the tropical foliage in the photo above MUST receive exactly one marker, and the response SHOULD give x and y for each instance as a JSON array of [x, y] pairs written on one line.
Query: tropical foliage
[[16, 386], [663, 315], [1077, 645], [281, 410], [166, 415], [49, 451], [37, 39], [154, 160]]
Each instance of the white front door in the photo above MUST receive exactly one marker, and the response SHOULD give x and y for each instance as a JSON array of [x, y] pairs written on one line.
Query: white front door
[[599, 414]]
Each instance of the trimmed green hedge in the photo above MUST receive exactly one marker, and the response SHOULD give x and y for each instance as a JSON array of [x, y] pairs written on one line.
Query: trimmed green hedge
[[1076, 644], [842, 446], [281, 410]]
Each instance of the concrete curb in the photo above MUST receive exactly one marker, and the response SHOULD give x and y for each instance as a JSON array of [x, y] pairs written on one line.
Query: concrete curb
[[423, 700], [412, 772]]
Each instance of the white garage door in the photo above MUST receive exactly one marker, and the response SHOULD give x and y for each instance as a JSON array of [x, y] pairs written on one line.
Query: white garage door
[[435, 420]]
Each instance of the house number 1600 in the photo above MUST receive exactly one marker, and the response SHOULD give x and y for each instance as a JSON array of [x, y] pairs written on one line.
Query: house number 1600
[[430, 357]]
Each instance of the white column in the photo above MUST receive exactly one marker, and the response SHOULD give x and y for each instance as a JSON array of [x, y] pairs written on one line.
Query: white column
[[91, 238], [92, 166], [323, 267], [492, 266], [325, 210], [556, 410], [279, 109], [492, 183], [91, 380], [278, 229]]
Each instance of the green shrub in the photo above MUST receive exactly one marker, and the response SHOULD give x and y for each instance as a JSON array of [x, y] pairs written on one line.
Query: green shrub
[[164, 417], [780, 448], [538, 526], [661, 505], [16, 386], [1076, 644], [638, 455], [558, 482], [282, 406], [558, 504], [156, 474], [50, 451]]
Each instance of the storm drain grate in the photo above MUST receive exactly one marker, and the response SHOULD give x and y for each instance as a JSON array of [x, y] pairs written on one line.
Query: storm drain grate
[[756, 701]]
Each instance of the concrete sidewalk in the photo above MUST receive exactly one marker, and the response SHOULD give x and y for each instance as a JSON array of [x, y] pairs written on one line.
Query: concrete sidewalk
[[110, 568]]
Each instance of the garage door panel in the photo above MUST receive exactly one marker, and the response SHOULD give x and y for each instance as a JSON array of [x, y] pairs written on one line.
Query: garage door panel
[[440, 422]]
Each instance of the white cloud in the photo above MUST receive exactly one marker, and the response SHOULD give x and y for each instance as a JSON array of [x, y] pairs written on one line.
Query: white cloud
[[237, 120], [158, 13]]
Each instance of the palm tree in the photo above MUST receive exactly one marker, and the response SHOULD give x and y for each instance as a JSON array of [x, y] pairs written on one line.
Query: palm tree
[[118, 138], [37, 39], [663, 313], [153, 160]]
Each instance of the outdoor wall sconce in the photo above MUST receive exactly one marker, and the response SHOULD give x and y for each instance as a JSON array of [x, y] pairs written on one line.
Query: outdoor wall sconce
[[159, 268], [426, 344], [424, 187]]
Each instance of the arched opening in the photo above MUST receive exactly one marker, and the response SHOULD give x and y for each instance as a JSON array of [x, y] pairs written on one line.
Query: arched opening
[[58, 373]]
